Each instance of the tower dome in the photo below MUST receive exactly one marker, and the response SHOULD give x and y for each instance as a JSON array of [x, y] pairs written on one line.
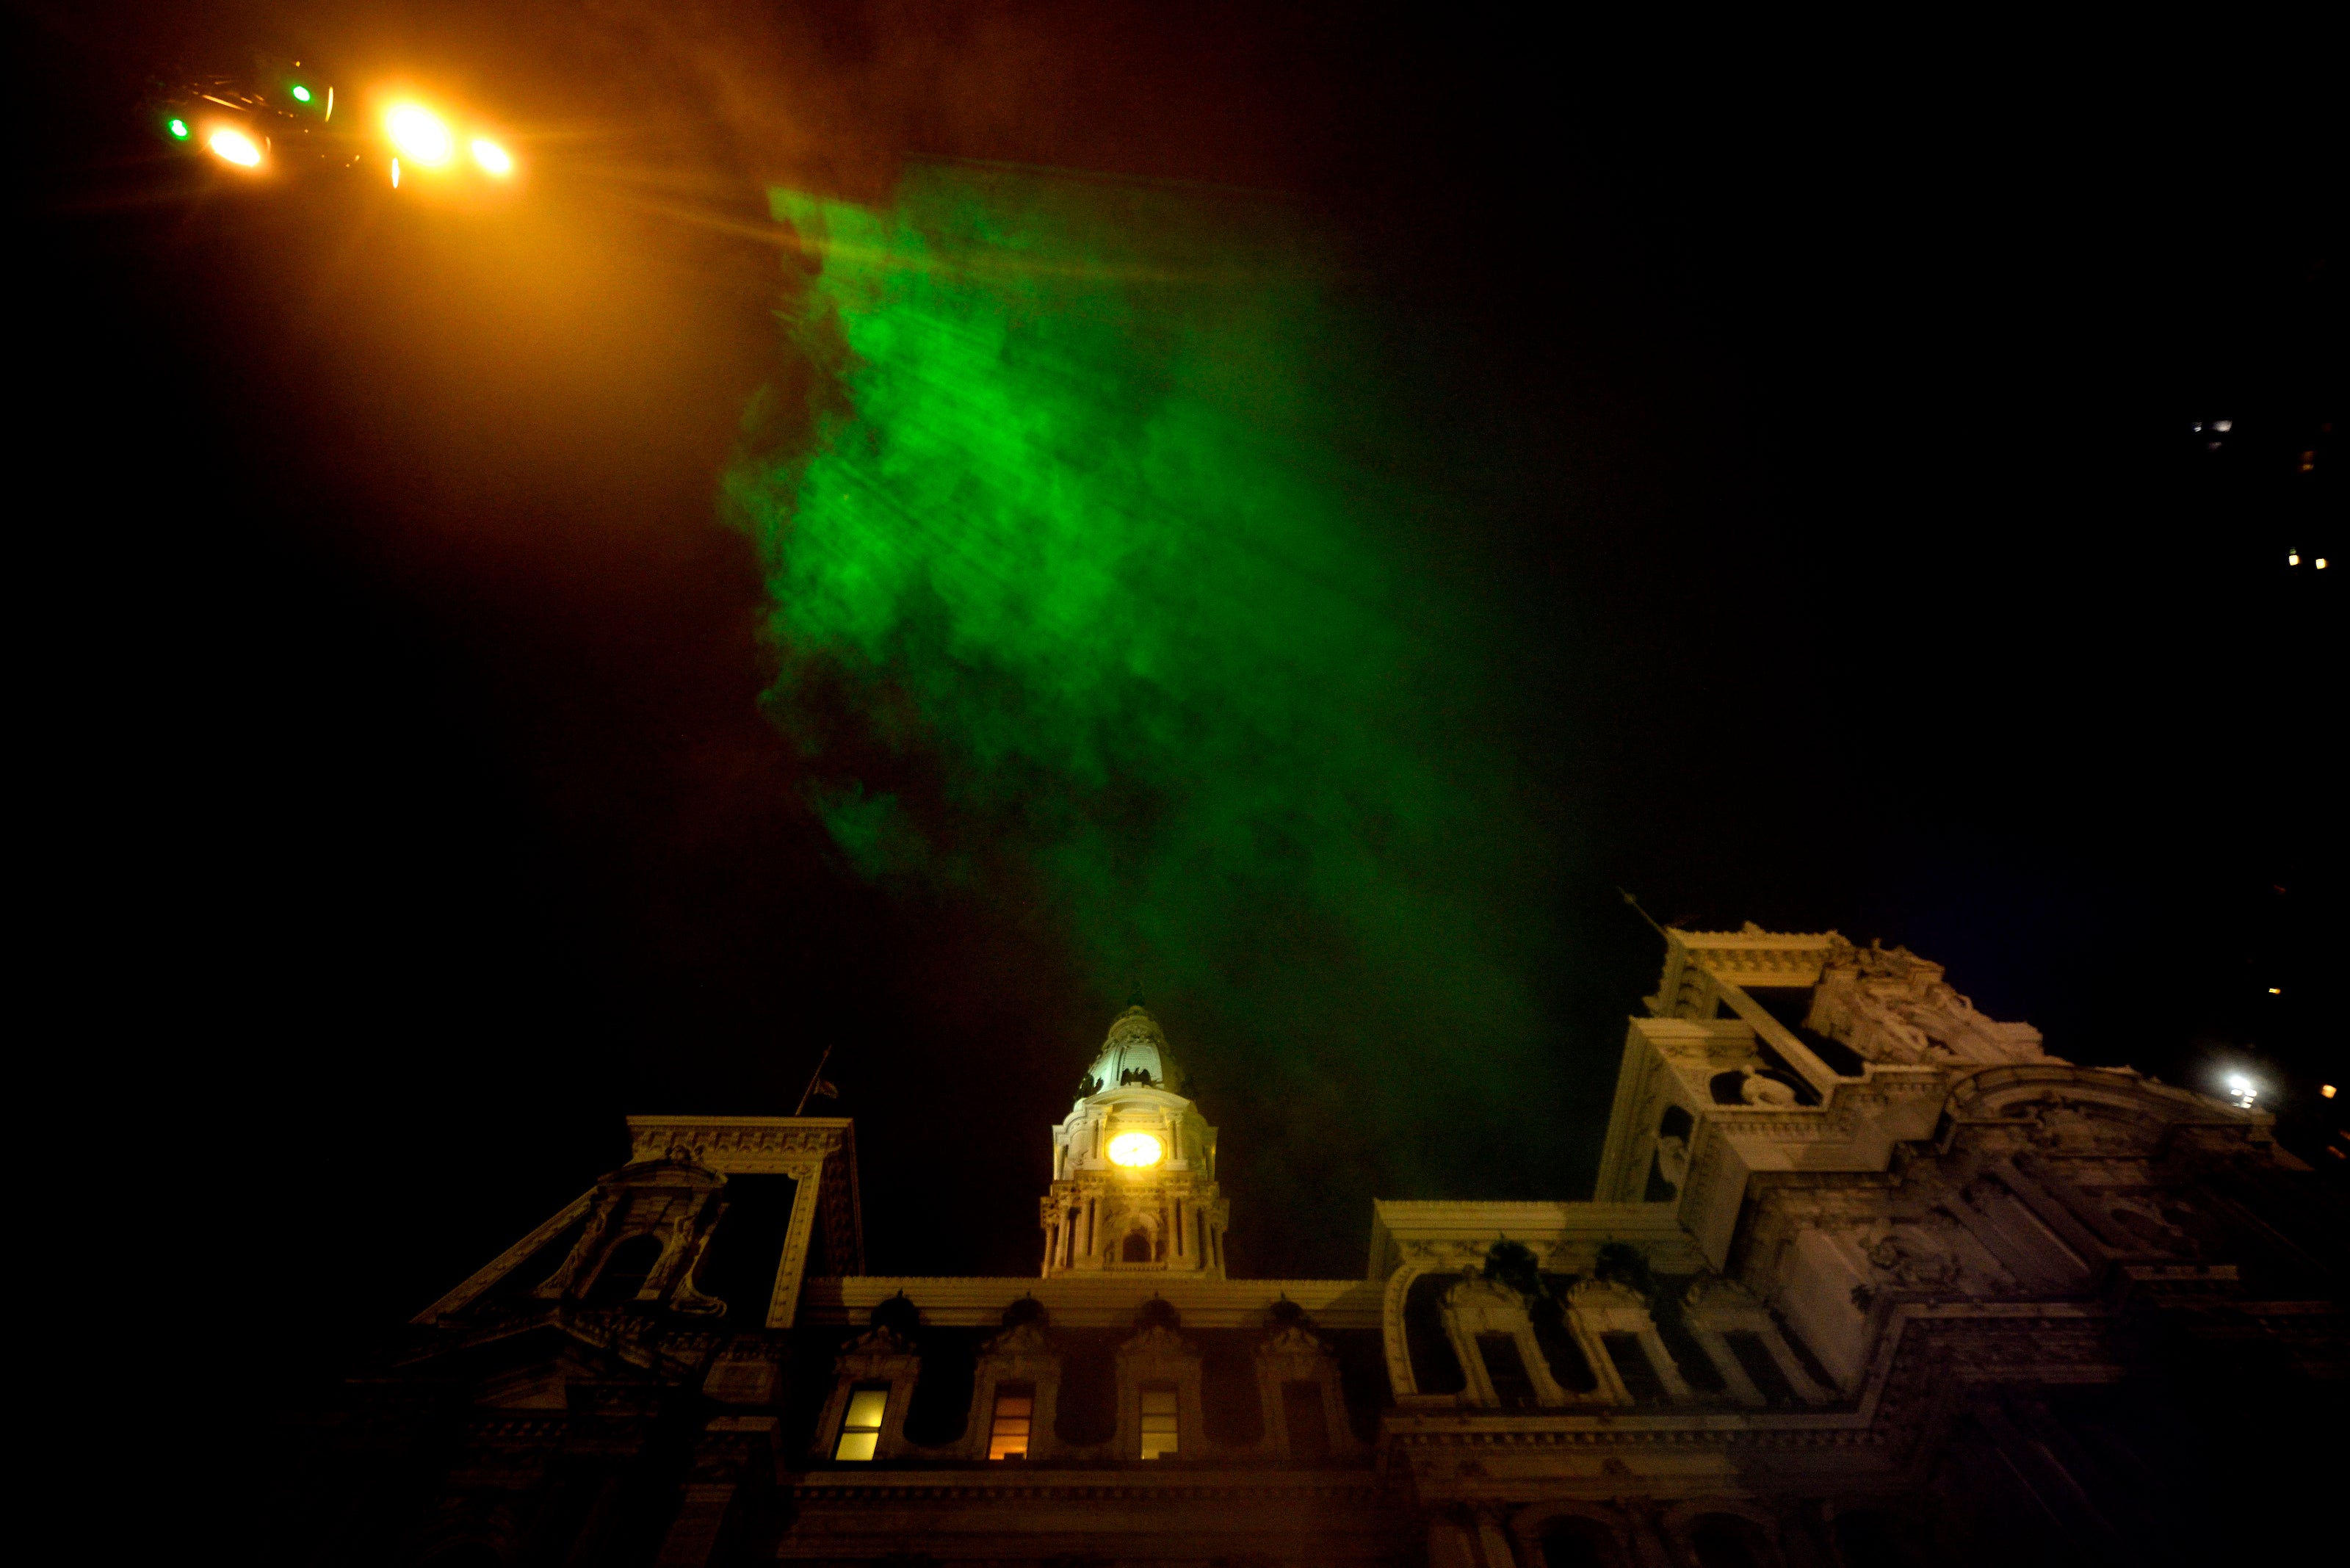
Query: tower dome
[[1134, 1052]]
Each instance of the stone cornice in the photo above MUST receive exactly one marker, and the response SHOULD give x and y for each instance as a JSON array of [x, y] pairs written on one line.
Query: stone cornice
[[745, 1146], [1790, 957], [1458, 1234], [1092, 1301], [892, 1488]]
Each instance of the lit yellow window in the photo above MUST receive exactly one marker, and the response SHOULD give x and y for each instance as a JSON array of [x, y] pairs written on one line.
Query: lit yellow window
[[1158, 1420], [1015, 1408], [860, 1429]]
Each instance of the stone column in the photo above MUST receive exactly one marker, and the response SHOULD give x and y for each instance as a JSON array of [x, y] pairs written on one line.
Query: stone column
[[784, 1304], [1493, 1537]]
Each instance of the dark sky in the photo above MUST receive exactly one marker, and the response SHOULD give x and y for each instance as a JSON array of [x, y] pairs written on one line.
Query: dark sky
[[403, 813]]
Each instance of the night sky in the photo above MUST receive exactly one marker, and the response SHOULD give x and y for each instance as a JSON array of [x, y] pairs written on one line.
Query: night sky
[[1804, 523]]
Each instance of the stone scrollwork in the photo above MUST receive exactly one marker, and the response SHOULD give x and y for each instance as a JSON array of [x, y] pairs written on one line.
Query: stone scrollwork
[[1892, 1006]]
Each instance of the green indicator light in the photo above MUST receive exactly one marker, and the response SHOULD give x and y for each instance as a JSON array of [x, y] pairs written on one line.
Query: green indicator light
[[179, 128], [301, 93]]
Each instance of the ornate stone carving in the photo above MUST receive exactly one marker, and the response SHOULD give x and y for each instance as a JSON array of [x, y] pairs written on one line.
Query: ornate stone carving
[[1913, 1264], [1894, 1006], [1713, 1290]]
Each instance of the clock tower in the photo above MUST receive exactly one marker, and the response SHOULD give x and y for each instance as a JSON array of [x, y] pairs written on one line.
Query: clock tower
[[1134, 1167]]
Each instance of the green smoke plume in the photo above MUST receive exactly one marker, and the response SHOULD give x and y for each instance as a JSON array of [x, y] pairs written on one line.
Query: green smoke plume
[[1089, 504]]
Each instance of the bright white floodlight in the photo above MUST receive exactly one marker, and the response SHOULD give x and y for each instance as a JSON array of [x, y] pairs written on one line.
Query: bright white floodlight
[[419, 135], [234, 147]]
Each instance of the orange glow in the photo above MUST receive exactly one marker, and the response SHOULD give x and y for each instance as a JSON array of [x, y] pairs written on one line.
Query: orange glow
[[493, 157], [420, 134], [235, 147]]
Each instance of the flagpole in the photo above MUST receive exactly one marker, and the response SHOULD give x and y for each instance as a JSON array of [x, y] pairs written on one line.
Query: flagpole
[[814, 1079], [1644, 914]]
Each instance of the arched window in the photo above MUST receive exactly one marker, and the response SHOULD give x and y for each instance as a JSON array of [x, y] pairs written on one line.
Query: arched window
[[1726, 1541], [1577, 1543], [1136, 1249], [626, 1268]]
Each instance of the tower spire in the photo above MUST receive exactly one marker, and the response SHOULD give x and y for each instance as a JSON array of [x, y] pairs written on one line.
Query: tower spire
[[1134, 1166]]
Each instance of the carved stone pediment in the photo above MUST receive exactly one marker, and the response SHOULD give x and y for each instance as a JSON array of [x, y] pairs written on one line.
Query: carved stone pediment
[[1159, 1342], [1599, 1295], [873, 1353], [1714, 1290], [1478, 1291], [1022, 1339], [1293, 1339]]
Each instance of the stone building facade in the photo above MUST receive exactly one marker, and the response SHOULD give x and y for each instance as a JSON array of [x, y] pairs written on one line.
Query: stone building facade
[[1869, 1280]]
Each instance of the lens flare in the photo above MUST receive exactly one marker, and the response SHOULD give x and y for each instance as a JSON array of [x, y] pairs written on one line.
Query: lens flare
[[236, 148], [420, 134], [179, 128], [493, 157], [301, 93], [1134, 1150], [395, 173]]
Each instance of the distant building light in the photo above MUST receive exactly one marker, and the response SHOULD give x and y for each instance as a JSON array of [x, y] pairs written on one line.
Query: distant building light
[[2327, 1090], [2319, 563], [2274, 991], [2223, 424], [2292, 558]]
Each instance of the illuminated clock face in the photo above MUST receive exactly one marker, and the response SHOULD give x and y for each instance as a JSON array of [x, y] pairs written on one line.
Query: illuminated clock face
[[1135, 1149]]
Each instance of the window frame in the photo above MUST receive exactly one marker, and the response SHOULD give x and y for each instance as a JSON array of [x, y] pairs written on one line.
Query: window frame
[[851, 1430], [1144, 1393], [997, 1416]]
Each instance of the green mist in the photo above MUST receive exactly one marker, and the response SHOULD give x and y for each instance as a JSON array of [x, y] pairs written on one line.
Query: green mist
[[1090, 506]]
